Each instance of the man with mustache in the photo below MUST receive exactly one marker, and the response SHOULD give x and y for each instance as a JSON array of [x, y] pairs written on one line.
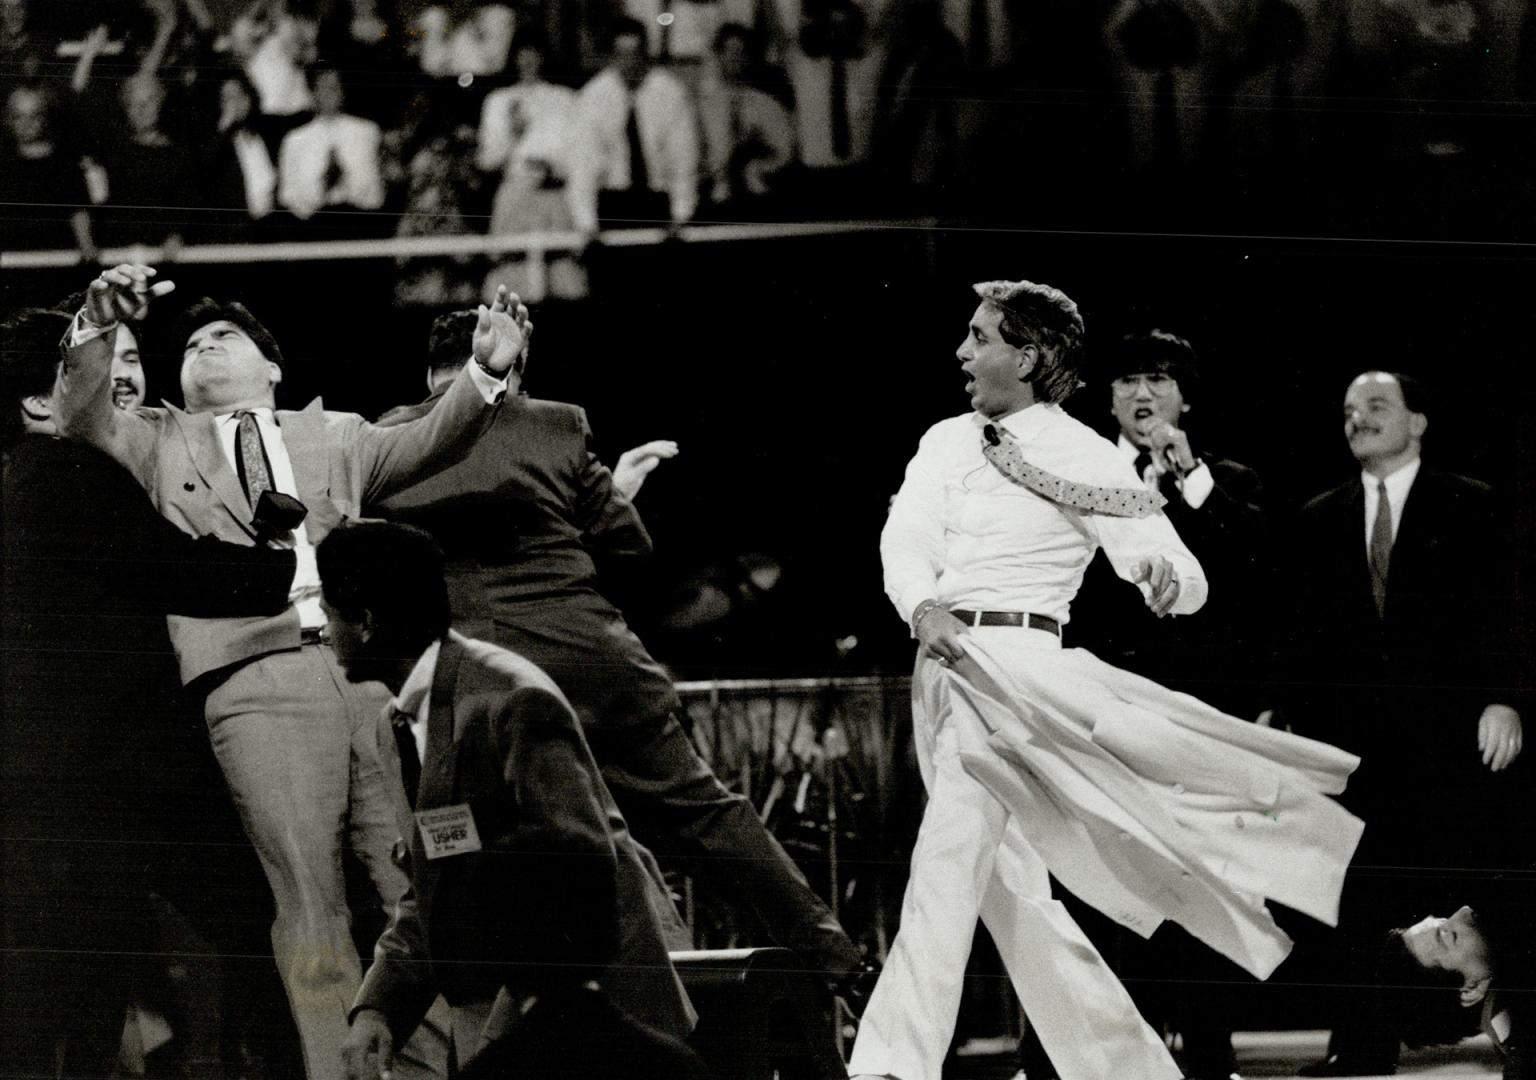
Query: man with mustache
[[1398, 645]]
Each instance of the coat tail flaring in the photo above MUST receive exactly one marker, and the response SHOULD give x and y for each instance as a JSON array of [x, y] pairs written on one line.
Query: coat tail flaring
[[1147, 803]]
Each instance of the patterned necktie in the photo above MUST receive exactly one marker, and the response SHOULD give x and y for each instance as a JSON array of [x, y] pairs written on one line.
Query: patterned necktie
[[251, 459], [1001, 449], [405, 742], [1381, 547]]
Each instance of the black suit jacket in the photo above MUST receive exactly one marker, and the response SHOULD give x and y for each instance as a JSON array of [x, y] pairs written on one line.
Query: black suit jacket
[[544, 892], [528, 520], [1215, 653], [1406, 690], [90, 689]]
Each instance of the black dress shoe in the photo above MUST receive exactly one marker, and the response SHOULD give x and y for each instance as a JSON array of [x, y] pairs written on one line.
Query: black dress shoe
[[1344, 1065]]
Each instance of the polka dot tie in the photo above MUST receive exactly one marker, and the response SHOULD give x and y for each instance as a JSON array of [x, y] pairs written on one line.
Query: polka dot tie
[[1000, 448]]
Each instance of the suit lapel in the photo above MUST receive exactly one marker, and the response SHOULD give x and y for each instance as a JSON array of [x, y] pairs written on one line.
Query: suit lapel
[[437, 773], [1415, 531], [304, 439], [201, 432]]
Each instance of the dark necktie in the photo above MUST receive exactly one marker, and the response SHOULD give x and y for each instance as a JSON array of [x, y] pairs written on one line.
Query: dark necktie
[[410, 759], [842, 133], [331, 179], [639, 178], [1381, 547], [251, 458], [1142, 463], [1165, 119]]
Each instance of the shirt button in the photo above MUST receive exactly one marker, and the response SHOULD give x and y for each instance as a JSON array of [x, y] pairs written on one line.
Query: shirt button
[[1239, 822], [1178, 789]]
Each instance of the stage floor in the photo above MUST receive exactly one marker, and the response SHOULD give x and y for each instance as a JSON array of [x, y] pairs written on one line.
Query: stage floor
[[1265, 1054]]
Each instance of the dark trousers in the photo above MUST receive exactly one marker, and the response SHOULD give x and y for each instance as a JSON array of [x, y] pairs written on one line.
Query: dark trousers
[[675, 804]]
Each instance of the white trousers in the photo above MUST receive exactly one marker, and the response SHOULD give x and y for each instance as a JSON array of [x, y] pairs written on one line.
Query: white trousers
[[970, 860]]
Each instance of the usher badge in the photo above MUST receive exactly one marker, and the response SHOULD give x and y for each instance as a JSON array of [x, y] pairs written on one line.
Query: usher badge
[[448, 830]]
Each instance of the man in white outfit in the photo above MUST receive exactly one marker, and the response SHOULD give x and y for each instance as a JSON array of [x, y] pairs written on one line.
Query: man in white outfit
[[1146, 803]]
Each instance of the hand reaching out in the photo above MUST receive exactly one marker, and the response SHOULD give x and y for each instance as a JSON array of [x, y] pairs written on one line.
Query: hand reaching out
[[123, 292], [502, 332], [636, 464]]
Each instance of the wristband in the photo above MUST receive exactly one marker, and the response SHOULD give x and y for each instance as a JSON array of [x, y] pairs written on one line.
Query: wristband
[[922, 611]]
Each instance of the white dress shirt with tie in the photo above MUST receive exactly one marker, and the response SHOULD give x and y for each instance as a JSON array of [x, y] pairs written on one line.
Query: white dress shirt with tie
[[306, 155], [1398, 486]]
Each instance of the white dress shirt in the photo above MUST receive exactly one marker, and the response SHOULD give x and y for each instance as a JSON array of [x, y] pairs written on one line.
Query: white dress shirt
[[256, 170], [599, 147], [732, 114], [1398, 486], [479, 45], [548, 110], [1195, 486], [304, 592], [415, 697], [306, 154], [962, 533], [691, 32]]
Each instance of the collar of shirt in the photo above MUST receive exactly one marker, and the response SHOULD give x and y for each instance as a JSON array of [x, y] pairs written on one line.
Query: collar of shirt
[[415, 696], [1398, 483], [1024, 424]]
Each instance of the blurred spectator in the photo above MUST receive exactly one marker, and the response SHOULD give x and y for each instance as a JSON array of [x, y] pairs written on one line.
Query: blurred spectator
[[22, 54], [354, 37], [689, 37], [634, 156], [984, 31], [464, 37], [916, 140], [332, 162], [274, 45], [834, 62], [1165, 51], [749, 137], [239, 179], [149, 176], [442, 184], [523, 132], [42, 189]]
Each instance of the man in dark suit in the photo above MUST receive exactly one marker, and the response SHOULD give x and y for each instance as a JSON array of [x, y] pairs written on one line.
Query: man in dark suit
[[293, 737], [515, 911], [98, 779], [527, 521], [1399, 645], [1152, 383]]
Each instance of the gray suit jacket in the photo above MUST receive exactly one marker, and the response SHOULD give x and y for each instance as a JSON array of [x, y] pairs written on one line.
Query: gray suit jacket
[[340, 461]]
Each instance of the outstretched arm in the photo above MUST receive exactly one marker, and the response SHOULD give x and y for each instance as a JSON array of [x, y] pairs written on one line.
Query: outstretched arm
[[394, 457]]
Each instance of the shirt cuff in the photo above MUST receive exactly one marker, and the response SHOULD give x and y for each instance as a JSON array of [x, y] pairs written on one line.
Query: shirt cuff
[[1197, 486], [83, 330], [491, 388]]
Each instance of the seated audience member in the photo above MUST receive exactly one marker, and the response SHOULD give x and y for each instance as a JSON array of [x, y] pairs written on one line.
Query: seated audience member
[[97, 769], [516, 910], [1442, 979], [749, 137], [150, 194], [523, 132], [239, 178], [42, 189], [634, 149], [332, 162], [354, 37]]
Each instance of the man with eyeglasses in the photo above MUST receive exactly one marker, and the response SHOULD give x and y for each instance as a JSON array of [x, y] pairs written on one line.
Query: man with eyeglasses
[[1213, 654]]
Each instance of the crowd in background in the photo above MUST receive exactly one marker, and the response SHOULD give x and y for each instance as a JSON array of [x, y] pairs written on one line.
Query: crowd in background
[[164, 121]]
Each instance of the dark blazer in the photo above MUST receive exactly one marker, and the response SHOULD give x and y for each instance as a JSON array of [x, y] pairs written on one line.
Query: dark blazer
[[1214, 653], [1406, 690], [90, 690], [528, 520], [548, 890]]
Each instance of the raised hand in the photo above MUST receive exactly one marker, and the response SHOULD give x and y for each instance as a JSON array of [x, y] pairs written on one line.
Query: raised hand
[[636, 464], [1162, 583], [123, 292], [501, 332], [1500, 737], [369, 1052]]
